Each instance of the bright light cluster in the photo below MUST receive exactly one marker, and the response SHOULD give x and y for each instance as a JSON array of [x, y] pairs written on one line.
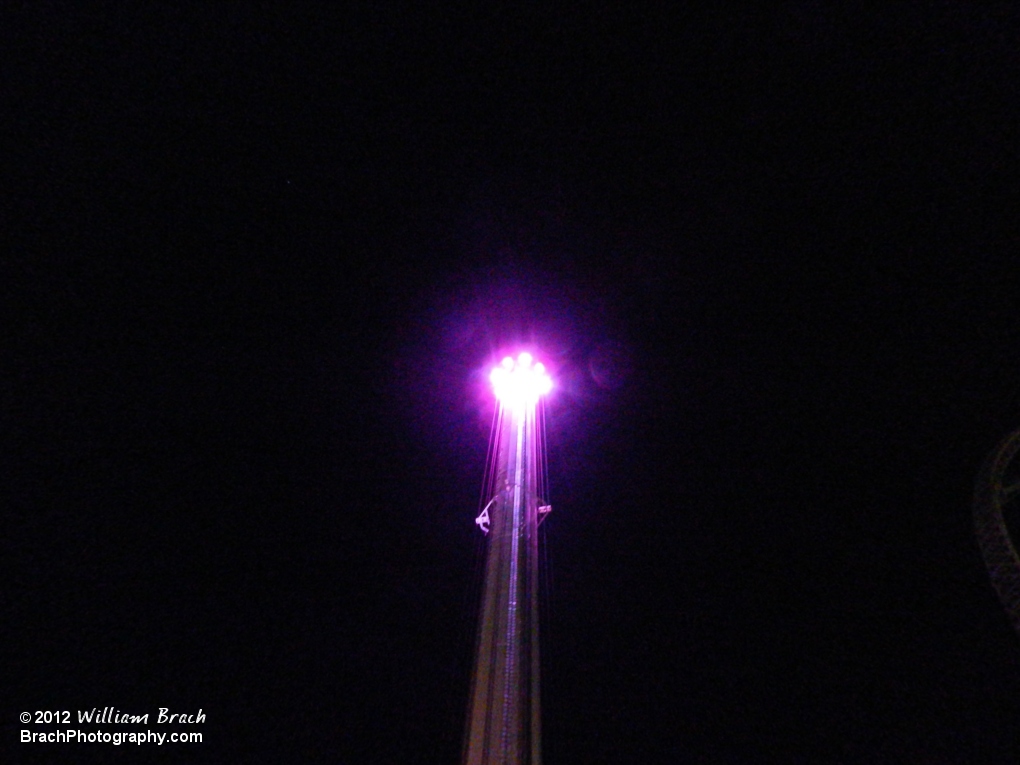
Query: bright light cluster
[[521, 381]]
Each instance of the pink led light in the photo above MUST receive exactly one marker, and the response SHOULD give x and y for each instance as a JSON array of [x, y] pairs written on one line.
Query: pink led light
[[519, 382]]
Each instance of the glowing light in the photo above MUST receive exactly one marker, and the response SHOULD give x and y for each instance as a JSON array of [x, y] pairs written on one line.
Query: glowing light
[[517, 383]]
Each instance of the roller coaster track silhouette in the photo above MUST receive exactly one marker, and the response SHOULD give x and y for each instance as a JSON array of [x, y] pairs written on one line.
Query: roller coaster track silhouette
[[998, 485]]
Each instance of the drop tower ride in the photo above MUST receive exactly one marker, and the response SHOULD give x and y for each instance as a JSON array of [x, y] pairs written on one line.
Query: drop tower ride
[[504, 712]]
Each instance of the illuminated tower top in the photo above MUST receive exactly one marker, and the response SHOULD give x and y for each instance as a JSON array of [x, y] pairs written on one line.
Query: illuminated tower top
[[520, 383]]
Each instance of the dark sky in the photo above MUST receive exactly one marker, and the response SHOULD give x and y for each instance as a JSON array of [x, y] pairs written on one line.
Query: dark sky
[[258, 258]]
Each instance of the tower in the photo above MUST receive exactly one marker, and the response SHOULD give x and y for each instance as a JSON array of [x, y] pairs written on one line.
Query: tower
[[504, 715]]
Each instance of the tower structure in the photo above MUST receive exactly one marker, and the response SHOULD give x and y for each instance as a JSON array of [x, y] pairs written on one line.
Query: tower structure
[[996, 502], [504, 713]]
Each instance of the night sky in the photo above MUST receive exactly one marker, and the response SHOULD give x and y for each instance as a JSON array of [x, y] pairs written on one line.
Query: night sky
[[258, 259]]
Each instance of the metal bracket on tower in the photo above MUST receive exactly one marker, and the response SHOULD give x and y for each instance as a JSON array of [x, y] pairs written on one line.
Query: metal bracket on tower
[[483, 518], [543, 511]]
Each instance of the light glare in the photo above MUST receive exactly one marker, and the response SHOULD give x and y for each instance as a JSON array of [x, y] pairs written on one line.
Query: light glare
[[520, 382]]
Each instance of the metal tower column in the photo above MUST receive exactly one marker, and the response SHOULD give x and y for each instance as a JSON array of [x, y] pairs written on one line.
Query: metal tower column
[[504, 722]]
